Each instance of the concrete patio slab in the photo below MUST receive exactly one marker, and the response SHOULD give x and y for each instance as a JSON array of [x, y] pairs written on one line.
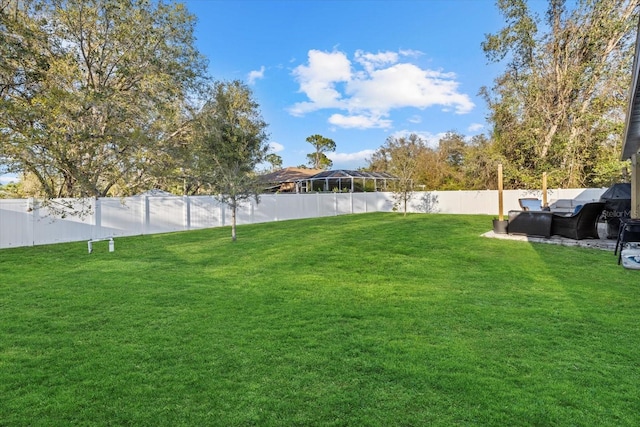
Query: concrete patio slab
[[601, 243]]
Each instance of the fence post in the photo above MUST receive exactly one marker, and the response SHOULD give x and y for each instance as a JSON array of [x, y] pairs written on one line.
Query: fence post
[[351, 196], [145, 214], [97, 218], [32, 209], [275, 211], [222, 213], [186, 224]]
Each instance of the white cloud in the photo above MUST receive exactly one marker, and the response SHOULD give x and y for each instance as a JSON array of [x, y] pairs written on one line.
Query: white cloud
[[275, 147], [350, 160], [359, 121], [372, 86], [372, 61], [301, 108], [318, 81], [406, 85], [410, 52], [255, 75], [475, 127], [415, 119]]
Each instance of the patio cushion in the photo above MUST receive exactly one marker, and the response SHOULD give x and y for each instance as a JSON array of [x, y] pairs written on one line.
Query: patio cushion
[[530, 204]]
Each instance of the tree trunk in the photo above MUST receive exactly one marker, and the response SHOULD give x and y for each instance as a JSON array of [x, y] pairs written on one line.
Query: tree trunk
[[405, 197], [233, 222], [548, 139]]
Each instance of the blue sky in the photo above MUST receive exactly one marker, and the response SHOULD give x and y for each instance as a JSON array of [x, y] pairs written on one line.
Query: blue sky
[[355, 71]]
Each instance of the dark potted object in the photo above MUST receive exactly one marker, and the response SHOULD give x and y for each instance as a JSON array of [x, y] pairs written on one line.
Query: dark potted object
[[500, 226]]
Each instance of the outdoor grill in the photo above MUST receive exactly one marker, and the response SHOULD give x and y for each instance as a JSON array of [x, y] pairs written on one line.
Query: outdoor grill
[[617, 201]]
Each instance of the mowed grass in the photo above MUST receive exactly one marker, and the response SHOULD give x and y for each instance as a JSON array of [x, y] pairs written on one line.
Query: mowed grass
[[365, 320]]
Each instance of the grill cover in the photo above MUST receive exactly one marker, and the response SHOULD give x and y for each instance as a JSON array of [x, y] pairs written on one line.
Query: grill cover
[[617, 201]]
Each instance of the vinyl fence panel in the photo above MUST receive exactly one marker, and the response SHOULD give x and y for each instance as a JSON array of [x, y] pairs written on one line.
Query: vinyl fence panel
[[119, 217], [16, 225], [27, 222], [164, 214], [205, 212], [58, 221]]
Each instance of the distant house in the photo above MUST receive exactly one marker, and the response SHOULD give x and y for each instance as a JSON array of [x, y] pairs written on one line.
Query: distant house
[[300, 180], [345, 181], [284, 180]]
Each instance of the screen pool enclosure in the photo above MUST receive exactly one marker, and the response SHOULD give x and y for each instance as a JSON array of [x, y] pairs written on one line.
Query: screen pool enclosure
[[345, 181]]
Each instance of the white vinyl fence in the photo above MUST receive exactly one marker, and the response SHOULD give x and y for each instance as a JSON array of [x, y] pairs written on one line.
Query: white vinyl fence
[[27, 222]]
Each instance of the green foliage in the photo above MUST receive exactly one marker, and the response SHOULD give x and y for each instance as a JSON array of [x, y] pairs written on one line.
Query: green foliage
[[231, 141], [275, 161], [455, 164], [378, 320], [400, 157], [560, 104], [318, 159], [480, 166], [11, 190], [94, 92]]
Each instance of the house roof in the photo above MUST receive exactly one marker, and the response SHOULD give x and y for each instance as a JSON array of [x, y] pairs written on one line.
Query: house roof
[[288, 175]]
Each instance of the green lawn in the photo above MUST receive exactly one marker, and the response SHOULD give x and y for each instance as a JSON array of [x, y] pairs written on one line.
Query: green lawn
[[363, 320]]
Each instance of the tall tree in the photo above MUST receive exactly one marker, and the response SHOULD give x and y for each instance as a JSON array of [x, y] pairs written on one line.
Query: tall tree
[[231, 138], [275, 161], [451, 159], [399, 157], [93, 96], [318, 159], [480, 166], [559, 106]]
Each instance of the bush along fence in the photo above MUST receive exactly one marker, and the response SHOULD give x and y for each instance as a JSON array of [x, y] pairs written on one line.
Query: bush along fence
[[28, 222]]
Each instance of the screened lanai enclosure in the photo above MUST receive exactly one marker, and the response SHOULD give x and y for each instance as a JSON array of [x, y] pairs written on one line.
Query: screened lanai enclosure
[[345, 181]]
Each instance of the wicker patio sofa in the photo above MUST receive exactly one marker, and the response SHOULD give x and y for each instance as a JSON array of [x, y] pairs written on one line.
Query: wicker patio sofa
[[580, 225]]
